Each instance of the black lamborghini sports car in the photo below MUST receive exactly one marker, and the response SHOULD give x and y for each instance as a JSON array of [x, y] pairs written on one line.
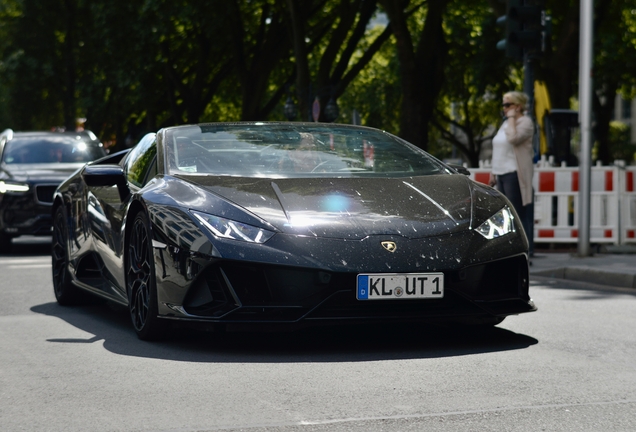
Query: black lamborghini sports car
[[261, 225]]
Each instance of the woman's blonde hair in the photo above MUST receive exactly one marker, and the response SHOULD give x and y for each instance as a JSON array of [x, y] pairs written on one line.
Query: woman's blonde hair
[[518, 98]]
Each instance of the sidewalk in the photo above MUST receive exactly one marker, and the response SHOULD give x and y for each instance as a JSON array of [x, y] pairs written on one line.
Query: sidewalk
[[613, 266]]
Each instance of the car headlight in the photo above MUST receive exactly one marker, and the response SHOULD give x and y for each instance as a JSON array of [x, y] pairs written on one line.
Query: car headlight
[[229, 229], [13, 187], [499, 224]]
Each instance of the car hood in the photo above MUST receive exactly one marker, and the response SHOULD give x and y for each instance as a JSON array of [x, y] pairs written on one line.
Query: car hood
[[54, 173], [353, 208]]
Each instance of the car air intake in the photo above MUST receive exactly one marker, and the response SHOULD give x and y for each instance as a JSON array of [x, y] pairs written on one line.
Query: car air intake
[[44, 193]]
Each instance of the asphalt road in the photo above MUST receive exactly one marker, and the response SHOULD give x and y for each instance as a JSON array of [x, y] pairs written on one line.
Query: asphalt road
[[570, 366]]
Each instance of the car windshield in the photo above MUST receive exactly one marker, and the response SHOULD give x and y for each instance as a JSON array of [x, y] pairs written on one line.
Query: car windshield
[[54, 149], [287, 151]]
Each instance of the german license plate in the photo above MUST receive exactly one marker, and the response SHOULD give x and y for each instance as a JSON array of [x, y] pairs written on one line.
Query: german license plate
[[400, 286]]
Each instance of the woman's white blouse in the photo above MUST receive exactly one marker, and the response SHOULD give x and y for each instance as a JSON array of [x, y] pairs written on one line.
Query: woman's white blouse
[[503, 153]]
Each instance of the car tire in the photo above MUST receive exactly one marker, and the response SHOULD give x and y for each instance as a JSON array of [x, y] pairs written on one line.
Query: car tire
[[66, 293], [5, 243], [141, 283]]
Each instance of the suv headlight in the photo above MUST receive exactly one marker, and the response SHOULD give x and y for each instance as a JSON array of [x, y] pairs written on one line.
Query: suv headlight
[[499, 224], [13, 187], [229, 229]]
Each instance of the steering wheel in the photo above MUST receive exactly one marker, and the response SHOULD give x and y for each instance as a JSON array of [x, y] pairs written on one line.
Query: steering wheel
[[333, 163]]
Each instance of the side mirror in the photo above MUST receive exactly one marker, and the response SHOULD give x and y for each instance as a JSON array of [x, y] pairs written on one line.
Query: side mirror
[[106, 175], [460, 169]]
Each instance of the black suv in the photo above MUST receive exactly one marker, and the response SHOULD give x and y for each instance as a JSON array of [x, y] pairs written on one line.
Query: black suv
[[32, 165]]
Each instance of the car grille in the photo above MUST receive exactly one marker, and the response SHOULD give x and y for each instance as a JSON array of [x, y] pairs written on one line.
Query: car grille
[[44, 193], [289, 292], [252, 292]]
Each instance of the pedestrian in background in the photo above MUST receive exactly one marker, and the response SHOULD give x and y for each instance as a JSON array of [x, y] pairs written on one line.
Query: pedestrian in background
[[512, 160]]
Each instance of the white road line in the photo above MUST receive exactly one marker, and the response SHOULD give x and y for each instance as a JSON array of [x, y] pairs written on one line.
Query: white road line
[[28, 266], [24, 261]]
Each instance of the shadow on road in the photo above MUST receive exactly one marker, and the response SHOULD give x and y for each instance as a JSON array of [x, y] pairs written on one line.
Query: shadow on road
[[327, 344]]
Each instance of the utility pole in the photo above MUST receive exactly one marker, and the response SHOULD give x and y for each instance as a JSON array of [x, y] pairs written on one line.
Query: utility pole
[[585, 119]]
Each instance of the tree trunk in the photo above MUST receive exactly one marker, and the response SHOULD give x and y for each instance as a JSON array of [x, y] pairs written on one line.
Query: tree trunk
[[421, 68], [303, 78], [69, 66]]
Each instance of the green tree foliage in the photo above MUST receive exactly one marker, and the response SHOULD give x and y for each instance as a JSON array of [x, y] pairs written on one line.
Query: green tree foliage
[[620, 145], [615, 63], [422, 51], [477, 76], [331, 45], [614, 60], [40, 63], [189, 53], [9, 9], [375, 94], [261, 59], [431, 75], [119, 80]]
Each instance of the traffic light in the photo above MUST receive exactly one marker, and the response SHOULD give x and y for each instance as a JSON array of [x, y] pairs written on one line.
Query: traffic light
[[523, 24]]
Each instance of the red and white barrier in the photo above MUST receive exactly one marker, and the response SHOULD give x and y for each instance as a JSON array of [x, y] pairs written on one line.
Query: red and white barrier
[[628, 205], [612, 203]]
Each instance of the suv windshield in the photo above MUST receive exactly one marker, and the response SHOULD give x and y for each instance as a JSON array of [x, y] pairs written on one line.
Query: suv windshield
[[303, 150], [50, 149]]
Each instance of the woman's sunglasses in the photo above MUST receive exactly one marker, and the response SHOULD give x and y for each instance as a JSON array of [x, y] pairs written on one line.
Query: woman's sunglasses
[[507, 104]]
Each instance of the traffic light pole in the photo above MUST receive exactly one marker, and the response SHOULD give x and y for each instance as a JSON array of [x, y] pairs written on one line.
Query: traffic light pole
[[528, 88], [525, 30], [528, 82]]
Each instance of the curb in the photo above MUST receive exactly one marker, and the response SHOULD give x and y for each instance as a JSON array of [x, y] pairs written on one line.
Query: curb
[[582, 274], [618, 249]]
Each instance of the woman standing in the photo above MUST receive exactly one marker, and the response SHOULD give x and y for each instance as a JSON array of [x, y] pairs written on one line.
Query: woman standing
[[512, 160]]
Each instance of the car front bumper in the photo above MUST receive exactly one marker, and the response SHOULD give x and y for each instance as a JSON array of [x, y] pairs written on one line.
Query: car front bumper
[[248, 294], [27, 213]]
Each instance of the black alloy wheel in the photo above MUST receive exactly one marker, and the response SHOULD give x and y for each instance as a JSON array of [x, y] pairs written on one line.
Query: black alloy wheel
[[65, 292], [140, 282]]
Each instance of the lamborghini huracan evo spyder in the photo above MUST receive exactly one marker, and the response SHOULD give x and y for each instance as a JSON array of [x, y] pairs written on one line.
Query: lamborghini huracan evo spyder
[[245, 225]]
